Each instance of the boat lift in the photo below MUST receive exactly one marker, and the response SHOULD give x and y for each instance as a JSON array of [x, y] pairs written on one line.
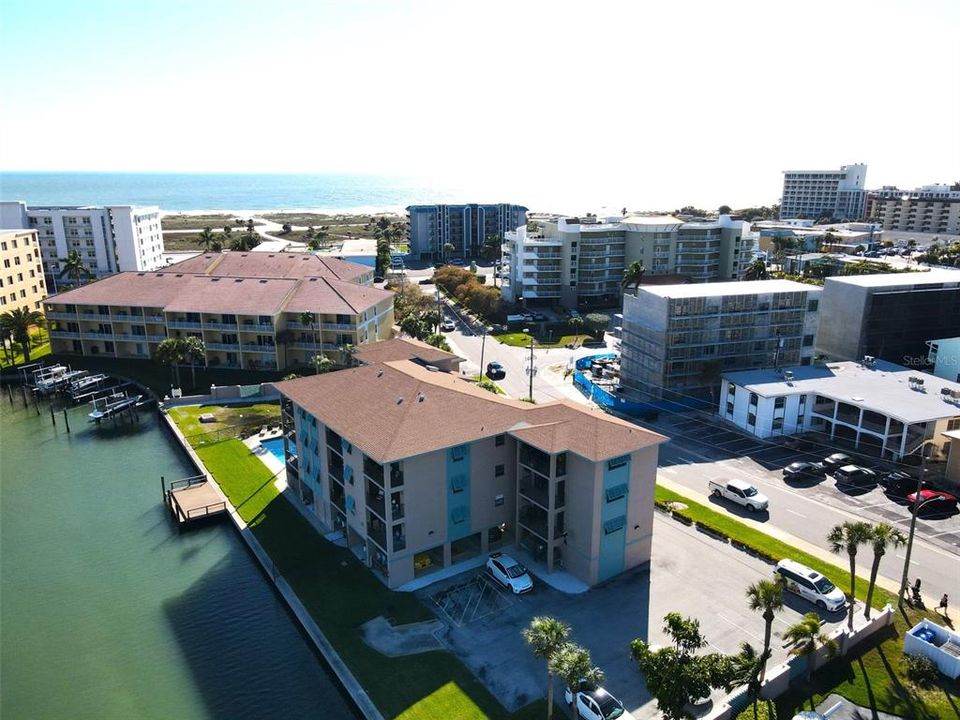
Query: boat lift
[[112, 406]]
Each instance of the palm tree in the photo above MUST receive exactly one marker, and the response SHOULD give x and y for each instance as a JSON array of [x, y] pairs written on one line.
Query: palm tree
[[848, 537], [171, 352], [348, 351], [546, 636], [195, 351], [633, 275], [576, 324], [757, 270], [767, 596], [747, 668], [322, 363], [805, 637], [307, 319], [448, 248], [572, 664], [73, 267], [16, 325], [205, 238], [882, 536]]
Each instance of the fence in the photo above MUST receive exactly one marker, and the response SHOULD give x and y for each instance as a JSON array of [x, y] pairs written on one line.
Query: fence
[[229, 432], [226, 394]]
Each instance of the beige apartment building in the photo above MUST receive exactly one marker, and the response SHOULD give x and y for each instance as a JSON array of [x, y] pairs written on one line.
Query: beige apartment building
[[248, 308], [927, 209], [21, 277], [420, 469]]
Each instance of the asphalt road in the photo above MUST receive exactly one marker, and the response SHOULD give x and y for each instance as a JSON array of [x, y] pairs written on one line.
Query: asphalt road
[[808, 510]]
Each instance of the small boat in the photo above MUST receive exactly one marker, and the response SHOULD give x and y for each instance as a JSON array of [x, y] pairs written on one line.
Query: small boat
[[109, 406]]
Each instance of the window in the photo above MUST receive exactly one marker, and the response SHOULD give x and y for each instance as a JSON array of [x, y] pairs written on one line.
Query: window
[[778, 423], [458, 453], [614, 525], [498, 500], [753, 399], [618, 462], [616, 492], [498, 471], [813, 305], [561, 464], [751, 419], [807, 340], [780, 403], [729, 408], [953, 424], [458, 515], [500, 440], [458, 483]]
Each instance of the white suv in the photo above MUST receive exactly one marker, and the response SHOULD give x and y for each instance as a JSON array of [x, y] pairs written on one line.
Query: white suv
[[811, 585]]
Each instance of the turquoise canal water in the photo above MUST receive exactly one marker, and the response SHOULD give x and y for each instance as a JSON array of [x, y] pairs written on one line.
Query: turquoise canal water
[[107, 612]]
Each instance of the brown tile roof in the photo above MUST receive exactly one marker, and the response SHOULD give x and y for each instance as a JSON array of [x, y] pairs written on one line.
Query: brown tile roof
[[239, 296], [123, 289], [401, 349], [269, 265], [399, 409], [334, 296]]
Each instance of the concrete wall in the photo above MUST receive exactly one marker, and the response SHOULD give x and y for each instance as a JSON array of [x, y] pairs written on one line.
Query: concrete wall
[[582, 517], [643, 476], [842, 309]]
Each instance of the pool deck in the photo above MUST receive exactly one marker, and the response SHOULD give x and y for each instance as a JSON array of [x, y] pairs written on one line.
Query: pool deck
[[277, 467]]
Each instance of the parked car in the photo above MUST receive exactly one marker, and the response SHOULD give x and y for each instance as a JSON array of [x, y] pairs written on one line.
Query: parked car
[[899, 483], [595, 704], [941, 499], [378, 278], [810, 585], [740, 492], [836, 460], [448, 325], [855, 475], [799, 470], [509, 573], [496, 371], [426, 281]]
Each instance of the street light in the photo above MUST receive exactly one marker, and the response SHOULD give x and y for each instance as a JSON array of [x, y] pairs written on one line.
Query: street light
[[917, 504], [531, 370]]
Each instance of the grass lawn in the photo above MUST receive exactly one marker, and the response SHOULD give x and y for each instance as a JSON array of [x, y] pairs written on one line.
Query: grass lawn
[[341, 594], [39, 347], [523, 340], [873, 675], [187, 418], [199, 222], [487, 384]]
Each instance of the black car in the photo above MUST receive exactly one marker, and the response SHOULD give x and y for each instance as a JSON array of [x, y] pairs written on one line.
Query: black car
[[378, 278], [837, 460], [900, 484], [427, 281], [495, 371], [802, 470]]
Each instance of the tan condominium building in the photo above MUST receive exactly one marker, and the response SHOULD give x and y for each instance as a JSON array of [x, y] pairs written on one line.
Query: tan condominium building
[[928, 209], [260, 311], [420, 469], [21, 277]]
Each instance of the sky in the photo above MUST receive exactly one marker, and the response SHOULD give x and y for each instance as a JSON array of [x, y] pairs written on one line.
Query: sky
[[642, 104]]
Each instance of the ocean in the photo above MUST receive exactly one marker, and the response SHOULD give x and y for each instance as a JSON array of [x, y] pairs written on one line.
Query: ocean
[[187, 192]]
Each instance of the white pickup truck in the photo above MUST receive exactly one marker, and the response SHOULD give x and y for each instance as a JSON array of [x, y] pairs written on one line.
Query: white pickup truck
[[741, 493]]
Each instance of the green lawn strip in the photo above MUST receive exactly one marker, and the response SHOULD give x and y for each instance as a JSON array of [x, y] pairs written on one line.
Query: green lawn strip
[[246, 481], [188, 417], [770, 546], [39, 347], [523, 340], [487, 384], [198, 222], [341, 594], [873, 674]]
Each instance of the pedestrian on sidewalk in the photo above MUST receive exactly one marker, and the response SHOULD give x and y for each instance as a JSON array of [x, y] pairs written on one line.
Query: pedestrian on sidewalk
[[916, 589], [943, 604]]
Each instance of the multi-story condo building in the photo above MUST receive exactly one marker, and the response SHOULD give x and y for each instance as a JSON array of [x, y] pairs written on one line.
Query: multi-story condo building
[[248, 308], [110, 239], [944, 358], [581, 261], [888, 316], [21, 275], [815, 193], [466, 227], [420, 469], [880, 408], [678, 338], [928, 209]]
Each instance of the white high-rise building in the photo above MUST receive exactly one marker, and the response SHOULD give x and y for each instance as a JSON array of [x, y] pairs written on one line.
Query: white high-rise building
[[109, 239], [815, 193]]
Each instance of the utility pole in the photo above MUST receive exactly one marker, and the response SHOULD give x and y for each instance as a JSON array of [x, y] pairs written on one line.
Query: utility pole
[[913, 525], [533, 369], [483, 345], [439, 307]]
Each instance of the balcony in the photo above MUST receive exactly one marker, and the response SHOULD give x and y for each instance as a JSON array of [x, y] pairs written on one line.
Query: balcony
[[337, 497], [184, 325], [254, 327], [94, 316], [347, 327], [399, 539], [377, 531], [314, 346], [155, 319], [64, 334], [61, 316], [375, 500], [396, 475], [253, 347], [229, 347], [229, 327], [397, 508], [93, 335], [130, 337]]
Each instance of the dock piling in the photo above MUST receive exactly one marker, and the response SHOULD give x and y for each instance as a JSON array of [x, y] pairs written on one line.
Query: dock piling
[[66, 420], [53, 417], [10, 394]]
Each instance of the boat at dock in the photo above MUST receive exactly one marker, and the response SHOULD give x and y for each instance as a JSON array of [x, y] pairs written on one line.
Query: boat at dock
[[112, 405]]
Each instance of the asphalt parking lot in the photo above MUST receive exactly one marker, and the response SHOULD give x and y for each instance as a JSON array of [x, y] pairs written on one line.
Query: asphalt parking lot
[[690, 573]]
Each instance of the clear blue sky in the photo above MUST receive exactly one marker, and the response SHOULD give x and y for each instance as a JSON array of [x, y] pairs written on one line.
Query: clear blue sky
[[645, 104]]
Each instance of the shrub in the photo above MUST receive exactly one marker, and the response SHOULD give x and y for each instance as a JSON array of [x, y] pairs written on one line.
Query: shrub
[[766, 710], [921, 671]]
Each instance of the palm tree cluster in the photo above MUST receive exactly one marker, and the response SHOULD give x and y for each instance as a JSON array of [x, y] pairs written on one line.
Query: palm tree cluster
[[549, 640], [74, 268], [633, 275], [16, 325], [847, 537], [177, 350]]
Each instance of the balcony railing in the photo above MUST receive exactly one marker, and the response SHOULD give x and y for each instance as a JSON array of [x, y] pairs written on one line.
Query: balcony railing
[[313, 346], [130, 337], [375, 501], [184, 325], [94, 316], [231, 347], [253, 347], [256, 327], [90, 335], [61, 316], [64, 334], [230, 327]]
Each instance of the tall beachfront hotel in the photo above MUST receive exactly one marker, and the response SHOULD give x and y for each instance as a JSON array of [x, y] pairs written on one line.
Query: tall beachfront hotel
[[465, 227], [109, 239], [812, 194], [419, 470]]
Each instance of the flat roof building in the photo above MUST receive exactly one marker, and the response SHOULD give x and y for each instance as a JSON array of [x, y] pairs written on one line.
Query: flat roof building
[[877, 407], [109, 239], [889, 316], [927, 209], [813, 194], [246, 307], [22, 285], [579, 261], [466, 227], [420, 469], [677, 339]]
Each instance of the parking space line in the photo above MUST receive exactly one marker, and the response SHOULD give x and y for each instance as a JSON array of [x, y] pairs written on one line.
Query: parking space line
[[739, 627], [668, 470], [912, 561], [796, 513], [687, 460]]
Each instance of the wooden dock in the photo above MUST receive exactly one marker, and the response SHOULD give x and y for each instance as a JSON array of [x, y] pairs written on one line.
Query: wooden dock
[[192, 499]]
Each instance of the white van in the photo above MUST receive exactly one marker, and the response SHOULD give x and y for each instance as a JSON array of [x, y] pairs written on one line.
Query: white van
[[810, 585]]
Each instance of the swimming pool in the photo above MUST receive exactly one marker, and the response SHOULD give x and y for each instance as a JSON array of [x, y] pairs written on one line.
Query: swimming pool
[[275, 446]]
